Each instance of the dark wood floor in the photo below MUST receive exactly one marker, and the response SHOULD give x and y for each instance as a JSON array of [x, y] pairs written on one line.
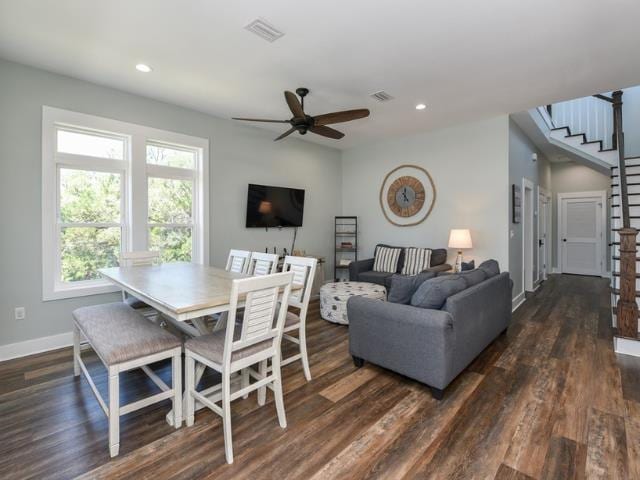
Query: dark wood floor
[[548, 400]]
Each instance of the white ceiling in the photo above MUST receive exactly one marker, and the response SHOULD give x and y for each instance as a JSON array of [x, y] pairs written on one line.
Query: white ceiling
[[464, 59]]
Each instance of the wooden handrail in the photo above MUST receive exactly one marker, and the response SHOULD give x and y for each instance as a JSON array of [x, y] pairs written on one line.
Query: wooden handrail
[[627, 308]]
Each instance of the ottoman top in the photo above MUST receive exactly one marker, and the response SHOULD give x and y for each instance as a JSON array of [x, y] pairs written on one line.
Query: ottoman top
[[349, 289]]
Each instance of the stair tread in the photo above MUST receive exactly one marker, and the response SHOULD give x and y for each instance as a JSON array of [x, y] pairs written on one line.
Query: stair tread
[[615, 257], [617, 274], [628, 175], [628, 184], [631, 205], [617, 292]]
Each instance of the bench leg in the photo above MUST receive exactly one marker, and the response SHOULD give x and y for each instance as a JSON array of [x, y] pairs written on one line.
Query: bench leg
[[114, 412], [176, 380], [190, 372], [76, 350]]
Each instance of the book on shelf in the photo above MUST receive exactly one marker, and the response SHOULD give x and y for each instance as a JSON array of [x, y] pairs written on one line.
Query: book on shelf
[[344, 262]]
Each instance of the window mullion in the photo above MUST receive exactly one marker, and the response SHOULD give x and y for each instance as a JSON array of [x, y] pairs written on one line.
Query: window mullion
[[138, 188]]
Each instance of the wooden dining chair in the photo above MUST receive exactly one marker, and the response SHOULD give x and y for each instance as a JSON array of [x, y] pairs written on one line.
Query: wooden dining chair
[[262, 264], [238, 261], [140, 258], [304, 270], [255, 339]]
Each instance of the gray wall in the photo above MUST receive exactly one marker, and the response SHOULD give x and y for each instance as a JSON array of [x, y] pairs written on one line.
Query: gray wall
[[568, 177], [238, 155], [539, 173], [468, 164], [631, 121]]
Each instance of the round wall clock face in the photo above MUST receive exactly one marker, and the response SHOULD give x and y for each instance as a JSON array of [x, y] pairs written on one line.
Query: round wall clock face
[[407, 195]]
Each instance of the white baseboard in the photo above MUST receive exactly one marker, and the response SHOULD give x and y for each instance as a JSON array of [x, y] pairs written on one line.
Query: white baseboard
[[556, 270], [606, 275], [517, 301], [626, 346], [37, 345]]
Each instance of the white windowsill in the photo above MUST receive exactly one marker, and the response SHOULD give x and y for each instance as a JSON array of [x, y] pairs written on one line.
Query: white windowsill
[[97, 288]]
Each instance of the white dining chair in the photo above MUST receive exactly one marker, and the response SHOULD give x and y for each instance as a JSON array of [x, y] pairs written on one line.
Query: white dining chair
[[254, 340], [304, 270], [262, 264], [238, 261], [140, 258]]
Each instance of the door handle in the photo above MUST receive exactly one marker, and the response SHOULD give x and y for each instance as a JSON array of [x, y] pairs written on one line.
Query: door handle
[[540, 243], [564, 239]]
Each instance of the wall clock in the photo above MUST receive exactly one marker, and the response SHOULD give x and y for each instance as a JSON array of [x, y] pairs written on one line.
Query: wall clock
[[407, 195]]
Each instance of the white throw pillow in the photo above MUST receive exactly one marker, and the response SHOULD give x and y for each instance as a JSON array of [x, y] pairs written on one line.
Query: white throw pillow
[[416, 260], [386, 259]]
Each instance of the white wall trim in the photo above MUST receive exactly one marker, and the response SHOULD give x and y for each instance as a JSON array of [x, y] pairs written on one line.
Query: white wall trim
[[36, 345], [626, 346], [517, 301], [527, 184]]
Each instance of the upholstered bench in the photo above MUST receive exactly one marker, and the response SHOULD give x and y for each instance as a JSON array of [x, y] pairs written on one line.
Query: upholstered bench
[[123, 340]]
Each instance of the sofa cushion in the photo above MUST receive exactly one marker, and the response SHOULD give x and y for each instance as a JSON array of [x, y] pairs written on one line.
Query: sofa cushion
[[490, 267], [404, 286], [433, 293], [438, 256], [416, 260], [386, 259], [473, 277], [374, 277]]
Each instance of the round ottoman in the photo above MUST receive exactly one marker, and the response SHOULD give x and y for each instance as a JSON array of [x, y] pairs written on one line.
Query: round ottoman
[[334, 296]]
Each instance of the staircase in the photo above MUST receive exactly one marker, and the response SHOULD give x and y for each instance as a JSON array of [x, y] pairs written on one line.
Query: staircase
[[586, 129]]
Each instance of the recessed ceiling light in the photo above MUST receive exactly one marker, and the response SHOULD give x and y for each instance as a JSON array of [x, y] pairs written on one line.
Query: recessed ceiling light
[[421, 106], [141, 67]]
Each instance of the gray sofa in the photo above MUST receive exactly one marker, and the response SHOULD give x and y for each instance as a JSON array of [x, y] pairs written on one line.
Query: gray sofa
[[362, 270], [429, 345]]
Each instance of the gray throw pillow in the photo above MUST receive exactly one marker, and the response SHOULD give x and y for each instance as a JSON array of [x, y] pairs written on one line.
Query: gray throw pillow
[[490, 267], [434, 292], [473, 277], [404, 286]]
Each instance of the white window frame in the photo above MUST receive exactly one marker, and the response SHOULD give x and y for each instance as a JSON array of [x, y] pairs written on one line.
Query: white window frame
[[135, 172]]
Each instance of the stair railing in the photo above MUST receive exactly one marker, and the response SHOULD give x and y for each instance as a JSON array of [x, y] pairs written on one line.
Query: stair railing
[[627, 308]]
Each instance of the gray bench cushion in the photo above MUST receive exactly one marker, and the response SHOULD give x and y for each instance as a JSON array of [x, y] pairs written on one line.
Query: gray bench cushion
[[118, 333], [211, 346]]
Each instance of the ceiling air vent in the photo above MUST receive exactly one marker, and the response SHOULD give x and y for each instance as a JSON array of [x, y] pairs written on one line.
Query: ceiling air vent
[[381, 96], [264, 30]]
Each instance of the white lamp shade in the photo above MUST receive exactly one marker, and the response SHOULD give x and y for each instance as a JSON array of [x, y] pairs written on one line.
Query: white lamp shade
[[460, 238]]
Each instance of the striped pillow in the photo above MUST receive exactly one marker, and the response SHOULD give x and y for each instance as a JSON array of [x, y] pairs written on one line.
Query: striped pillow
[[386, 259], [416, 260]]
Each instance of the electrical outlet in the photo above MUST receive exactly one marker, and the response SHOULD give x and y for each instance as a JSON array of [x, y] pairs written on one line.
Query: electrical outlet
[[20, 313]]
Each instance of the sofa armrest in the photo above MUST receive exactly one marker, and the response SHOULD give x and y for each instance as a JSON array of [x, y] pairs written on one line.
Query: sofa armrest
[[412, 341], [445, 267], [356, 268]]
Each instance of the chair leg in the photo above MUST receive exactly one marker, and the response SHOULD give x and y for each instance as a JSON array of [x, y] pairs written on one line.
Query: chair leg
[[176, 379], [76, 350], [245, 381], [262, 391], [114, 412], [226, 417], [190, 373], [302, 337], [277, 390]]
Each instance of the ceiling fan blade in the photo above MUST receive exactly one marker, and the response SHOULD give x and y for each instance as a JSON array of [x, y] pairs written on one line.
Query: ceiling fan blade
[[260, 120], [294, 104], [326, 132], [339, 117], [285, 134]]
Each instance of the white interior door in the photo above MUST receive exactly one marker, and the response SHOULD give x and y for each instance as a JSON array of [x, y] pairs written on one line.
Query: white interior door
[[581, 234], [543, 212]]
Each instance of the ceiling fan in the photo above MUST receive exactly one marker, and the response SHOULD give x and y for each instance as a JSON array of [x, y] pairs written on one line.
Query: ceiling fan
[[318, 124]]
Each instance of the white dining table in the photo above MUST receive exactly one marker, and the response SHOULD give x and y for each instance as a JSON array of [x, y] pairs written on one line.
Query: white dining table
[[181, 292]]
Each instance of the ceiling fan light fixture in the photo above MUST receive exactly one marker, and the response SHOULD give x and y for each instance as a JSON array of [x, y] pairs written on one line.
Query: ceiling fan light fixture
[[421, 106], [143, 67]]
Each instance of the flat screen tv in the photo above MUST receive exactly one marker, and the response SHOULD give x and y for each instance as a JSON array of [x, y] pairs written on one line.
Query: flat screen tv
[[274, 206]]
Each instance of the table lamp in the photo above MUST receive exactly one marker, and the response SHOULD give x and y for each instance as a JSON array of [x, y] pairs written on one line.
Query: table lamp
[[460, 238]]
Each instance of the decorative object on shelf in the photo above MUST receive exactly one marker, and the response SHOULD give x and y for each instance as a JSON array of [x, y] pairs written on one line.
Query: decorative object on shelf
[[516, 202], [344, 226], [459, 238], [407, 195]]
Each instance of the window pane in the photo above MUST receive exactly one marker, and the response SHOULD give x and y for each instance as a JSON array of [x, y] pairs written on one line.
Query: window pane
[[171, 157], [86, 249], [170, 200], [174, 243], [90, 145], [89, 196]]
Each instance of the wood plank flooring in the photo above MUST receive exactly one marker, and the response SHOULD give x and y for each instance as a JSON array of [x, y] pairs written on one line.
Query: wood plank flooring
[[547, 400]]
